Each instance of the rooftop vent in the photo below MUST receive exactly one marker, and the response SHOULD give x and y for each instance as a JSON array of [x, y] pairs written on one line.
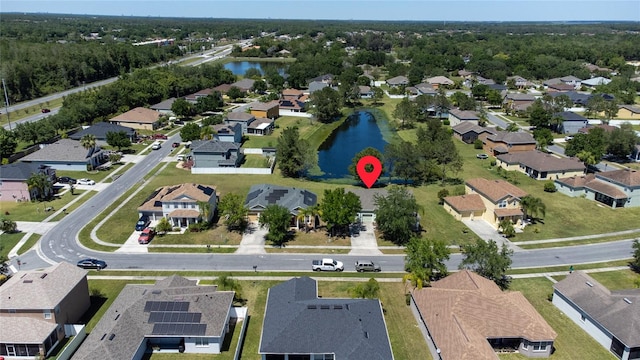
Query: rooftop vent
[[311, 307], [27, 281], [325, 307], [627, 301], [43, 276], [366, 334], [589, 284], [103, 336], [337, 307], [117, 316]]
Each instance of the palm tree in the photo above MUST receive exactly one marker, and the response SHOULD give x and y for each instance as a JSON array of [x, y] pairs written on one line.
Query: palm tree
[[206, 133], [532, 207], [311, 212], [88, 141], [40, 186], [506, 226], [205, 209]]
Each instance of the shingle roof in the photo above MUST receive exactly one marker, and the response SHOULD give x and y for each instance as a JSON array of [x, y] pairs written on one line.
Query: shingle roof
[[261, 123], [63, 150], [227, 129], [123, 327], [464, 309], [520, 97], [624, 177], [100, 130], [163, 105], [469, 202], [398, 80], [465, 127], [367, 197], [40, 289], [296, 321], [440, 80], [213, 146], [19, 170], [26, 330], [260, 106], [631, 108], [509, 137], [608, 308], [464, 114], [188, 193], [262, 195], [592, 183], [495, 190], [239, 116], [570, 116], [542, 162], [138, 115], [244, 84]]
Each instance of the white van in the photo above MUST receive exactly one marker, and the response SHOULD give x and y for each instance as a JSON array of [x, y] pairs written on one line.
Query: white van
[[156, 145]]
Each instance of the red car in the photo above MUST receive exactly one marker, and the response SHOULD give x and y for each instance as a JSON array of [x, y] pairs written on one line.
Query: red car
[[44, 111], [175, 144], [160, 136], [146, 236]]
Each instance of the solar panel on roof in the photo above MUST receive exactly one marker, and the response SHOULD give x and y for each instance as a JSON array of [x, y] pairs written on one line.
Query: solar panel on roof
[[276, 195], [179, 329], [173, 317]]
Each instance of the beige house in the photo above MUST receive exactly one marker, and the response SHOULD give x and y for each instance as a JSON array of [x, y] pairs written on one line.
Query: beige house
[[502, 142], [489, 200], [541, 166], [182, 204], [457, 117], [138, 118], [36, 306], [628, 112], [467, 317]]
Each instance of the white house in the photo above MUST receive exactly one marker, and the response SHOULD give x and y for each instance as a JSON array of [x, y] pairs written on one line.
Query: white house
[[182, 204]]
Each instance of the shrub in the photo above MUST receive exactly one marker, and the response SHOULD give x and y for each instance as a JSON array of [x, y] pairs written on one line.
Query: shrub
[[493, 163], [549, 186], [446, 122], [441, 195], [477, 144]]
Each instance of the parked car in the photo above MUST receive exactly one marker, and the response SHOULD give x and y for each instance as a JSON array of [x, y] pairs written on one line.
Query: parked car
[[66, 180], [568, 138], [85, 182], [482, 156], [175, 144], [146, 236], [44, 111], [366, 265], [159, 136], [327, 265], [92, 264], [142, 223], [156, 146]]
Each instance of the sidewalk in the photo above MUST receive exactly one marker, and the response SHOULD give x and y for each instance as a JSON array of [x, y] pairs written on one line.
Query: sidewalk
[[584, 237]]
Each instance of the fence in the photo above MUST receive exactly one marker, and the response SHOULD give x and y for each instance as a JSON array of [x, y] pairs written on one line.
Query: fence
[[78, 332], [243, 332]]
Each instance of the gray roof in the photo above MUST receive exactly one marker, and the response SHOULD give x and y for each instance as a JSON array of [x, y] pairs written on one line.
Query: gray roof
[[123, 327], [213, 146], [296, 321], [63, 150], [464, 114], [227, 129], [608, 308], [542, 162], [398, 80], [576, 97], [239, 116], [262, 195], [20, 170], [244, 84], [40, 289], [570, 116], [465, 127], [163, 105], [100, 130], [317, 85], [26, 330], [509, 137], [520, 97], [367, 198]]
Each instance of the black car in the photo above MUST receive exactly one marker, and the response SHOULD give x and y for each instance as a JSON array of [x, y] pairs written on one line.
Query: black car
[[66, 180], [142, 223], [92, 264]]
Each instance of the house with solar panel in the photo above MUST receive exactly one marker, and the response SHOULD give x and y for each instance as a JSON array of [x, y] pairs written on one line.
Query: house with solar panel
[[295, 200], [181, 204], [300, 325], [172, 315]]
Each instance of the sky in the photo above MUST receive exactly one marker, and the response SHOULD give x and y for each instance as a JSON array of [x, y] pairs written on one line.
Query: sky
[[424, 10]]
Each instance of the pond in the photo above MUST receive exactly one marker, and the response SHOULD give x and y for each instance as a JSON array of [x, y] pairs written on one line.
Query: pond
[[241, 67], [359, 131]]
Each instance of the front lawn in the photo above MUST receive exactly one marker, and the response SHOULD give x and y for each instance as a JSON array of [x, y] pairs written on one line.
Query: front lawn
[[304, 126], [34, 210]]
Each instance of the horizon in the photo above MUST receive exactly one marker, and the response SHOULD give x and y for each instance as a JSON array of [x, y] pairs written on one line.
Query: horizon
[[500, 11]]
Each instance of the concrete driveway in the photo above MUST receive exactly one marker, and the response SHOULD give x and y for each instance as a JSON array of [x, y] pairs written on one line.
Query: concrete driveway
[[486, 232], [364, 242], [253, 240]]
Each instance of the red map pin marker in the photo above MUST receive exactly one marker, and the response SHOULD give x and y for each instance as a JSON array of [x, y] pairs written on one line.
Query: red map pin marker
[[369, 178]]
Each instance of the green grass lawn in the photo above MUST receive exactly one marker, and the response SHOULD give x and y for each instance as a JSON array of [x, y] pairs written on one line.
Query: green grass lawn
[[617, 280], [28, 111], [8, 241], [572, 342], [304, 125], [31, 241], [255, 161], [34, 211], [95, 175]]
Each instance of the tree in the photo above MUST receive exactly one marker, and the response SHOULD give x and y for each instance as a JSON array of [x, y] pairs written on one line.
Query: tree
[[366, 152], [182, 108], [234, 93], [212, 120], [8, 143], [494, 97], [539, 116], [190, 132], [339, 209], [163, 226], [88, 141], [276, 218], [488, 261], [232, 208], [8, 226], [368, 290], [425, 258], [533, 207], [211, 102], [325, 104], [40, 186], [378, 94], [294, 155], [404, 160], [115, 158], [397, 215], [512, 127], [506, 227], [622, 140], [589, 147], [636, 255], [405, 110], [227, 283], [543, 137], [259, 87], [310, 212], [118, 139]]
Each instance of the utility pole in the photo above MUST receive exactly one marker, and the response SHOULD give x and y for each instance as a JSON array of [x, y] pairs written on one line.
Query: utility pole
[[6, 102]]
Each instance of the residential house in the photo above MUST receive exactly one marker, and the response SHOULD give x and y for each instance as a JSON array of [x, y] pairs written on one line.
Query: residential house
[[37, 305], [298, 324], [440, 81], [520, 82], [365, 92], [138, 118], [181, 204], [67, 154], [518, 102], [502, 142], [597, 69], [326, 78], [628, 112], [501, 88], [398, 81], [228, 133], [293, 100], [412, 91], [270, 110], [490, 200], [425, 89], [164, 107], [295, 200], [13, 180], [100, 130], [457, 117], [469, 132], [612, 318], [172, 315], [467, 317], [261, 126], [617, 188], [578, 99], [215, 154], [483, 81], [571, 122], [316, 86], [222, 88], [560, 87], [245, 85], [596, 81], [239, 117], [571, 80], [465, 74], [607, 128], [368, 203], [541, 166], [193, 98]]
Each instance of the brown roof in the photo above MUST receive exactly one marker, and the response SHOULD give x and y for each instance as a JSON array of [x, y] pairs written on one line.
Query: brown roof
[[469, 202], [201, 93], [464, 309], [188, 192], [605, 127], [222, 88], [542, 162], [625, 177], [138, 115], [292, 92], [561, 87], [509, 137], [258, 123], [577, 181], [465, 127], [508, 212], [591, 182], [495, 190], [260, 106], [464, 114]]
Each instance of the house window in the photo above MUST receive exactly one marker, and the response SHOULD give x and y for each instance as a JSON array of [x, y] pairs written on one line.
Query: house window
[[540, 346], [47, 314], [202, 342], [525, 345], [503, 204]]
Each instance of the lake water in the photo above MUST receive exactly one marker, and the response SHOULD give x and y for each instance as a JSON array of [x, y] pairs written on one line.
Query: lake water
[[358, 132], [241, 67]]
